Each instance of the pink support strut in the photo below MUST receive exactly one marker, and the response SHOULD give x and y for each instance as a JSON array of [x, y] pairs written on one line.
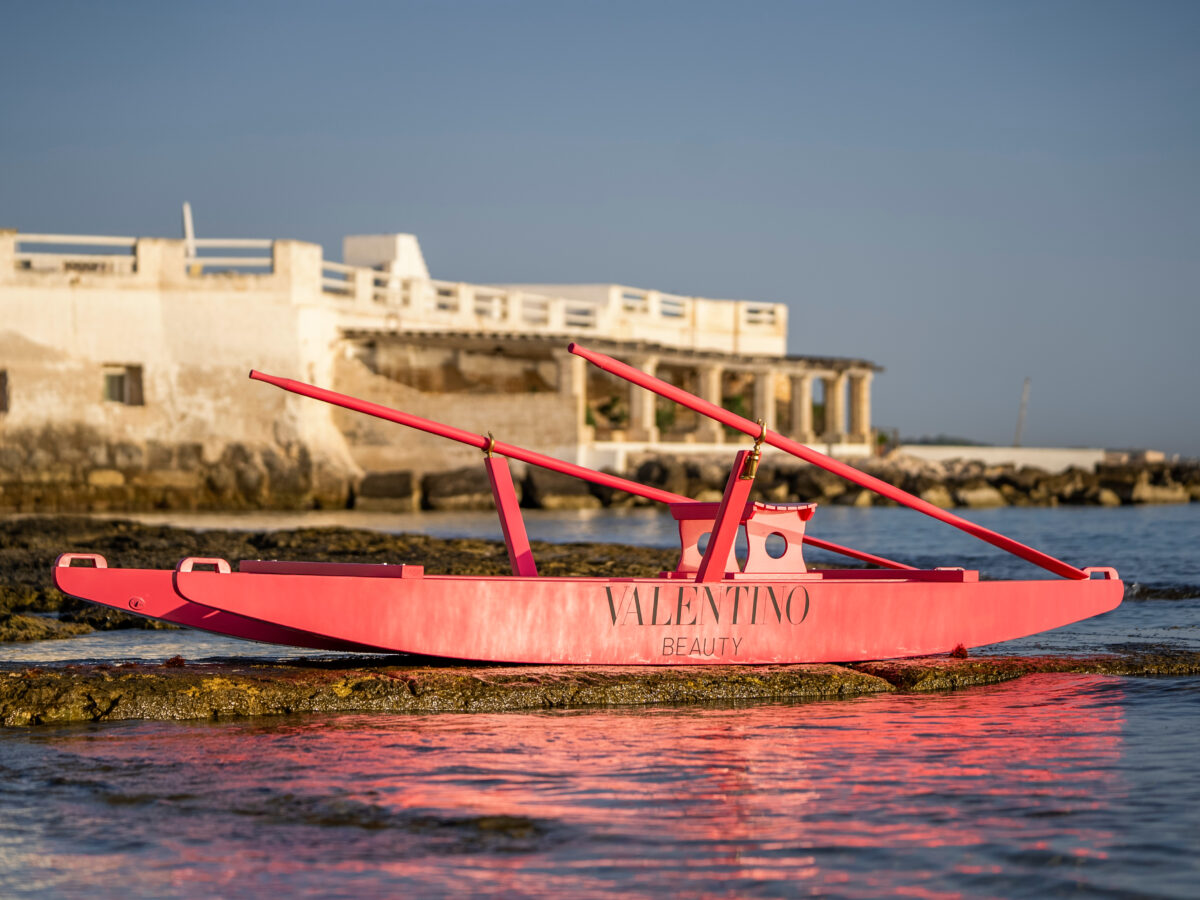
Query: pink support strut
[[862, 479], [728, 520], [511, 521], [529, 456]]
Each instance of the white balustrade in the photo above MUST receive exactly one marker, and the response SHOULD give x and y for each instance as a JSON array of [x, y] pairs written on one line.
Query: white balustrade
[[618, 312], [71, 260]]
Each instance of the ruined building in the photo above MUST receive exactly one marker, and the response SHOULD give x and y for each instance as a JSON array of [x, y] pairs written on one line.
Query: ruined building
[[123, 366]]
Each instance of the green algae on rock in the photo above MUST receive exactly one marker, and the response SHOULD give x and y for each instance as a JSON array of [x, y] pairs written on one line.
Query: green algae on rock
[[175, 691], [16, 627], [947, 673], [105, 693]]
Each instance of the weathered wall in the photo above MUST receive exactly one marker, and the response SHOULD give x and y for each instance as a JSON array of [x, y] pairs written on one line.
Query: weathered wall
[[538, 421], [205, 436]]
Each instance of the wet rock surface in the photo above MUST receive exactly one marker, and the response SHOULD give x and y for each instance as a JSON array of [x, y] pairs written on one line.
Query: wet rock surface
[[177, 690]]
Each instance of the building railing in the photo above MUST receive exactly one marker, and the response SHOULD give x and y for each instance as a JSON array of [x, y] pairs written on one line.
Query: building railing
[[198, 263], [617, 312], [67, 256]]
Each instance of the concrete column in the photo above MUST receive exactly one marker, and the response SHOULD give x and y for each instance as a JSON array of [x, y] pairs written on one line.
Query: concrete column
[[802, 421], [835, 409], [362, 286], [8, 253], [764, 396], [709, 431], [860, 406], [572, 382], [297, 266], [642, 425]]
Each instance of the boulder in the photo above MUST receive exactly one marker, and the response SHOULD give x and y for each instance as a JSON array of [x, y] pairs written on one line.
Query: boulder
[[706, 474], [979, 496], [612, 497], [1104, 497], [1159, 493], [854, 497], [544, 489], [938, 495], [664, 472], [458, 489], [809, 484], [389, 491]]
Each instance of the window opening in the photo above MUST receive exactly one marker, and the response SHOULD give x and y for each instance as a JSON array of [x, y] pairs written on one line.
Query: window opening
[[123, 384]]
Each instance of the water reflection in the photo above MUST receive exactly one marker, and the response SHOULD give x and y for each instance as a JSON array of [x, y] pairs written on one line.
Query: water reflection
[[999, 790]]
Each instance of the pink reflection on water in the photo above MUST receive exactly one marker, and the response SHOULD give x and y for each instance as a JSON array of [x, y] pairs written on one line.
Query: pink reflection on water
[[879, 796]]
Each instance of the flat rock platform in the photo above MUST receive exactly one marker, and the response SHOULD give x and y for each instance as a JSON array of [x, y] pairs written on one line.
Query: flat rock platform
[[178, 690], [31, 609]]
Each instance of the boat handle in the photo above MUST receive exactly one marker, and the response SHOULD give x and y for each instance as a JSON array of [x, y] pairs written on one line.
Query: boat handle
[[1109, 573], [65, 559], [185, 565]]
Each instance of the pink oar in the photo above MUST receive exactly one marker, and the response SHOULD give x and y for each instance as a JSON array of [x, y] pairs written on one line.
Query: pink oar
[[528, 456], [862, 479]]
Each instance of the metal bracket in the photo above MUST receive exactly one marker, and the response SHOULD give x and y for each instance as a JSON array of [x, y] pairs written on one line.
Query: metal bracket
[[751, 467], [491, 445]]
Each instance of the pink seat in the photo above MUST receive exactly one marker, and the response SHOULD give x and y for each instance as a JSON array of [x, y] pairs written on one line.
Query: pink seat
[[760, 520]]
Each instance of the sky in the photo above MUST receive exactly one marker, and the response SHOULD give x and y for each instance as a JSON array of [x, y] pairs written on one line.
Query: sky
[[967, 194]]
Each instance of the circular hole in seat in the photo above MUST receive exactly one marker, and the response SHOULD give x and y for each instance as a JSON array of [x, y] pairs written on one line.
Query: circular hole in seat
[[702, 542], [776, 545]]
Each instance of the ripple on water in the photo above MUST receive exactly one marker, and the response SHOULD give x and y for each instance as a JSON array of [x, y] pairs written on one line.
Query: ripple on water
[[1046, 785]]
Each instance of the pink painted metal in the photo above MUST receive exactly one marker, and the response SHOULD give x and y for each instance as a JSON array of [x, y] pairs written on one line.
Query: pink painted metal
[[706, 611], [870, 482], [151, 593], [529, 456], [761, 521], [786, 521], [511, 521], [714, 564], [661, 621]]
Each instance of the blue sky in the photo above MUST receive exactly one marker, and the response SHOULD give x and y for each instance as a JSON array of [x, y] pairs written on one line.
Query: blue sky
[[965, 193]]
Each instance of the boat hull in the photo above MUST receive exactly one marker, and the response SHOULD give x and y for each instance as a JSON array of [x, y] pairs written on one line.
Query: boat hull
[[664, 621], [151, 593]]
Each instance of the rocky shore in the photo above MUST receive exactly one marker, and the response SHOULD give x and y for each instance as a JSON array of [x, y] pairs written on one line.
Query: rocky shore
[[74, 470], [177, 690], [959, 483]]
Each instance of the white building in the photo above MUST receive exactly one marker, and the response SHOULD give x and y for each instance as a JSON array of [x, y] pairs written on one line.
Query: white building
[[123, 368]]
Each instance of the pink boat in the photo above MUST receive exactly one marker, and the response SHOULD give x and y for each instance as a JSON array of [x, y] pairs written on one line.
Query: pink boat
[[708, 610]]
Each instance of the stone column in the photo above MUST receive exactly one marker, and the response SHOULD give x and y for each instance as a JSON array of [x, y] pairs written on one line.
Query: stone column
[[802, 419], [835, 411], [296, 269], [860, 406], [8, 253], [764, 397], [709, 431], [642, 423], [572, 383], [362, 286]]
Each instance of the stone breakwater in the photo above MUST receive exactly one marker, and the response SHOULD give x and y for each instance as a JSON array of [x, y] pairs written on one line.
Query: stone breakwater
[[74, 469], [176, 690], [961, 483], [952, 484]]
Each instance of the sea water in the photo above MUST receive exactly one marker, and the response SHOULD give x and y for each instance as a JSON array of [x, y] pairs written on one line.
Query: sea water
[[1045, 786]]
